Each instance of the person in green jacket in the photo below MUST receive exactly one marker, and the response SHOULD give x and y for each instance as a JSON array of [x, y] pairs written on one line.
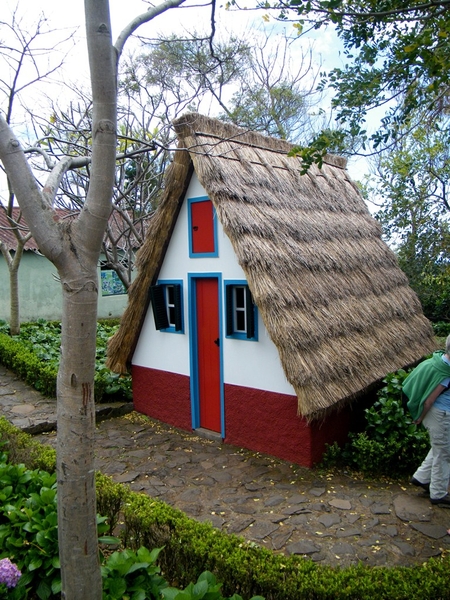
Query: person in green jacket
[[427, 388]]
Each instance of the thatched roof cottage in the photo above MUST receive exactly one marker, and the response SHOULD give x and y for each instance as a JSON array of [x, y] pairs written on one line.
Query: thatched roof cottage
[[265, 300]]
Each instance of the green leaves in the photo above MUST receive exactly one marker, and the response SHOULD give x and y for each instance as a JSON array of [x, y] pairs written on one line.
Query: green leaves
[[34, 355], [206, 588], [397, 58], [390, 444], [412, 186], [324, 143], [134, 574], [28, 525]]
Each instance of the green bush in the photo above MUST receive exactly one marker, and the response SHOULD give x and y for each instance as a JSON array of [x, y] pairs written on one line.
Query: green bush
[[390, 444], [134, 573], [190, 547], [28, 526], [206, 588], [111, 498], [441, 328], [20, 359], [22, 448], [34, 356]]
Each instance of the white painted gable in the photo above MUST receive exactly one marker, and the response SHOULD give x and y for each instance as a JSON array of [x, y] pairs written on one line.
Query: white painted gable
[[253, 364]]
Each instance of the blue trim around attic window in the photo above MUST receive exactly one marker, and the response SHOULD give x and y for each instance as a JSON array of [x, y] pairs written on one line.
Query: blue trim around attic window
[[192, 254]]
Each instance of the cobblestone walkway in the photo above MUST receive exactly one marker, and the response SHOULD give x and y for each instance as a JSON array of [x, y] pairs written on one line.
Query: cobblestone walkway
[[331, 518]]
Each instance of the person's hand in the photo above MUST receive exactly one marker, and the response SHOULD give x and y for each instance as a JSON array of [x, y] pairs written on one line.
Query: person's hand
[[417, 421]]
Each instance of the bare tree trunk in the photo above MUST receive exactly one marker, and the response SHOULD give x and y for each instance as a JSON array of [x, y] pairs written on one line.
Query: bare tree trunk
[[13, 258], [13, 268], [77, 532], [74, 248], [14, 316], [14, 319]]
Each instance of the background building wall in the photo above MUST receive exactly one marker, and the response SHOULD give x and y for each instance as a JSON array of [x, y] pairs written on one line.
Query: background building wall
[[40, 292]]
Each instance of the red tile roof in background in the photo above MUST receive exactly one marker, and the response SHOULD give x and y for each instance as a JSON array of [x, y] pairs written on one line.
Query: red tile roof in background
[[9, 239], [7, 234]]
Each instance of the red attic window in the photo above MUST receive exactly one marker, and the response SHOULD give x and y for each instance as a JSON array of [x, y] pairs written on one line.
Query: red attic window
[[202, 226]]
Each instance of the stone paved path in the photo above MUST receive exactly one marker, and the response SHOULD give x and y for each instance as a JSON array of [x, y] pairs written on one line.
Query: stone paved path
[[331, 518]]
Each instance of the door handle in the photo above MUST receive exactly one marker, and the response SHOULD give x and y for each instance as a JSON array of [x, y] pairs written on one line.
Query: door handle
[[217, 342]]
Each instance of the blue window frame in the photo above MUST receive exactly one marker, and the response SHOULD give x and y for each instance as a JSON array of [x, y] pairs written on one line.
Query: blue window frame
[[167, 303], [202, 224], [241, 312]]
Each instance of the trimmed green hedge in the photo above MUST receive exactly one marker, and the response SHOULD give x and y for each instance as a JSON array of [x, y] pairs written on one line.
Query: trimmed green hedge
[[191, 547], [23, 449], [34, 357], [21, 360]]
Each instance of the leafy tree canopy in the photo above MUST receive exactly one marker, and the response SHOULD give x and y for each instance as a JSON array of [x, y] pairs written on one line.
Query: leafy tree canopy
[[411, 184], [398, 57]]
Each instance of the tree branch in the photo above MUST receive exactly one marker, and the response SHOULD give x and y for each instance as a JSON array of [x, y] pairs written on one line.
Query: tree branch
[[395, 12], [151, 13], [33, 205]]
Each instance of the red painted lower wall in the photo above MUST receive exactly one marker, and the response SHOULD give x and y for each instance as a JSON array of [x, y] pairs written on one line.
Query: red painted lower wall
[[268, 422], [163, 396], [255, 419]]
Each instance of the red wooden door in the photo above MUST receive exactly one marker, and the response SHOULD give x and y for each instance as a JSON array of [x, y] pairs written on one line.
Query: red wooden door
[[208, 353]]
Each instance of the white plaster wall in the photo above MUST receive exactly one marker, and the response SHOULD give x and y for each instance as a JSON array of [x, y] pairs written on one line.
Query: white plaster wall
[[245, 363]]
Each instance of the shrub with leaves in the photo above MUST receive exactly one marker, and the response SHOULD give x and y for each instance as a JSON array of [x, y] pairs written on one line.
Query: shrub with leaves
[[111, 497], [22, 448], [390, 444], [28, 526], [206, 588], [132, 574], [34, 356], [441, 328]]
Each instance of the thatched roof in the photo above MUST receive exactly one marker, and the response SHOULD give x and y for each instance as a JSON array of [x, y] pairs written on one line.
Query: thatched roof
[[329, 290]]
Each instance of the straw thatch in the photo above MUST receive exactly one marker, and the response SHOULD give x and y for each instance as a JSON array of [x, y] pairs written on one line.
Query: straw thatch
[[329, 290]]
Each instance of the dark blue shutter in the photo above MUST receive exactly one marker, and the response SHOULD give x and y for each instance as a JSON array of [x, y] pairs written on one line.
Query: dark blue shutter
[[159, 306], [178, 307], [229, 309], [250, 310]]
